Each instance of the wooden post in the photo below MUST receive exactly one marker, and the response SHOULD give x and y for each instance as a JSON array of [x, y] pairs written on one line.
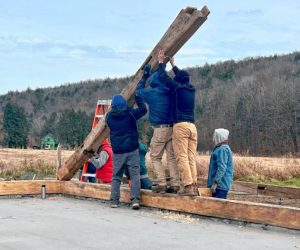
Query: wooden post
[[183, 27], [58, 162]]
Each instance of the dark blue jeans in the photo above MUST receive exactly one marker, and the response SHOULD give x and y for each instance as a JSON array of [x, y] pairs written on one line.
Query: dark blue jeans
[[222, 194], [121, 162]]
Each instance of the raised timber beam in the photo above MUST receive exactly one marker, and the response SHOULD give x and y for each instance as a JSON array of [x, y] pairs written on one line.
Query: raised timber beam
[[30, 187], [281, 216], [183, 27]]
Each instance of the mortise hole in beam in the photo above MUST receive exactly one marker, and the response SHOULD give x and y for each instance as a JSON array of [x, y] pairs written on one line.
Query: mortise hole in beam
[[261, 187]]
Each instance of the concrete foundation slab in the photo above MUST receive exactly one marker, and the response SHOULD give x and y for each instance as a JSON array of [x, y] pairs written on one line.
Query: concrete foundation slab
[[67, 223]]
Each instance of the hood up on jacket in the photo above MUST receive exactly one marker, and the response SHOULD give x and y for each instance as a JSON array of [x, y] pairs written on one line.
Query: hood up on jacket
[[220, 135]]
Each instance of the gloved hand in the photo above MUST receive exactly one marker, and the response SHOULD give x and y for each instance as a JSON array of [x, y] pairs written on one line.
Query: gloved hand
[[213, 187], [147, 70], [89, 153]]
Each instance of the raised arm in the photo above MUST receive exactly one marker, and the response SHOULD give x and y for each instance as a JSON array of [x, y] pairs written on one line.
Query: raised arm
[[141, 110], [163, 76]]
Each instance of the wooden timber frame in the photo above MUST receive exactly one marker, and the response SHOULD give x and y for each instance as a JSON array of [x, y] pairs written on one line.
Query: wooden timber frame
[[183, 27], [281, 216]]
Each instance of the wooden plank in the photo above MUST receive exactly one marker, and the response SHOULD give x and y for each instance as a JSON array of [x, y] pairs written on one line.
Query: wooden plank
[[281, 216], [263, 189], [30, 187], [204, 192], [184, 26]]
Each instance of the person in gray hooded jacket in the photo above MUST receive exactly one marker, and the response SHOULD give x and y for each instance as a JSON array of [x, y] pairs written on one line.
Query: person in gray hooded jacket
[[220, 173]]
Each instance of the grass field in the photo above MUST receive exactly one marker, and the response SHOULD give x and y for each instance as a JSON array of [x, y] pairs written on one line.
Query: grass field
[[15, 163]]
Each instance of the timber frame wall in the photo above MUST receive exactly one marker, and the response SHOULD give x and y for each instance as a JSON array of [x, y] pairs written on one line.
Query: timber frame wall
[[281, 216]]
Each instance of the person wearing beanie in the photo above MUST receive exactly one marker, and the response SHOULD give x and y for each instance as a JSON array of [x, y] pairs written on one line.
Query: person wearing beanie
[[184, 129], [220, 172], [121, 121], [159, 100]]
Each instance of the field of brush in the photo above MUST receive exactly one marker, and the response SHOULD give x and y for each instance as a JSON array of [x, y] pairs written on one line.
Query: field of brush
[[15, 163]]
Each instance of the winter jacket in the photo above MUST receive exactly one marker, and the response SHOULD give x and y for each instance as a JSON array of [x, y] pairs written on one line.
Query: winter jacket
[[158, 97], [122, 123], [105, 172], [221, 167], [183, 93]]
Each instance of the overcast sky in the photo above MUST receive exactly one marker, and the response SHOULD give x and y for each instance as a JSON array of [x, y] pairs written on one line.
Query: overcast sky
[[52, 42]]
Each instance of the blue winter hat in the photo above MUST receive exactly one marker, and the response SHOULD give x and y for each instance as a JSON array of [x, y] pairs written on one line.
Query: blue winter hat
[[154, 80], [118, 101], [182, 76]]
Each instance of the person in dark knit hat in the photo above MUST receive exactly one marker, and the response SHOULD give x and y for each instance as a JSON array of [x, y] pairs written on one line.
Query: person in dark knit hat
[[125, 145]]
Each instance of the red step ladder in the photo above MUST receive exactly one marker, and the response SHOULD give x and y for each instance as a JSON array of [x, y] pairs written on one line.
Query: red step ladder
[[101, 109]]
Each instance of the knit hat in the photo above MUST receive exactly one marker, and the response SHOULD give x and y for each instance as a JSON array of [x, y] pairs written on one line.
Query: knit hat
[[118, 101], [182, 76], [220, 135]]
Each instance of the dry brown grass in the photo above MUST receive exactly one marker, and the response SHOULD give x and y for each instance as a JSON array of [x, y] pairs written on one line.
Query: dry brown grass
[[247, 168], [16, 162]]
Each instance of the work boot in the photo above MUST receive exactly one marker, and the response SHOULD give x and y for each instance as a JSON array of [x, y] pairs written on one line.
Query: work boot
[[188, 190], [196, 189], [159, 189], [172, 189]]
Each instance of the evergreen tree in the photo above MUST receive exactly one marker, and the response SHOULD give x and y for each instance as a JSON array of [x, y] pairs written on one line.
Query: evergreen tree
[[73, 127], [16, 126]]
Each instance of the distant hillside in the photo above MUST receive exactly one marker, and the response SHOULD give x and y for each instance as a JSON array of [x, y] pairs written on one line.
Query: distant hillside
[[255, 98]]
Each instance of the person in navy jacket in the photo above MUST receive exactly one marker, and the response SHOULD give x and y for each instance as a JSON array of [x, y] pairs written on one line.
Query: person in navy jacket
[[125, 145]]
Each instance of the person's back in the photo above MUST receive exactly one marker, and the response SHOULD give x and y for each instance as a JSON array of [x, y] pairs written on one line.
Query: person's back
[[161, 116], [158, 97], [124, 140], [184, 130]]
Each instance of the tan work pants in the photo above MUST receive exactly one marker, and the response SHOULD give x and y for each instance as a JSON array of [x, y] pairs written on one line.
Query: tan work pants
[[185, 146], [161, 141]]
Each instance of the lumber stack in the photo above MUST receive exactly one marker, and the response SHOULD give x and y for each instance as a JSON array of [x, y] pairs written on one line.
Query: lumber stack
[[183, 27]]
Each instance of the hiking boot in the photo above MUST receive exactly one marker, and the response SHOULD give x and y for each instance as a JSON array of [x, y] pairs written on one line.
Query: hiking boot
[[159, 189], [188, 190], [135, 205], [196, 189], [172, 189]]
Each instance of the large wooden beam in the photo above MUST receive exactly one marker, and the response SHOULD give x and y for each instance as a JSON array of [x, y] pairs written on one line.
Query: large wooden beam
[[184, 26], [30, 187], [280, 216]]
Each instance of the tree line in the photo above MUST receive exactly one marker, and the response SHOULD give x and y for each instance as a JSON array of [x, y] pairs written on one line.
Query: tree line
[[257, 99]]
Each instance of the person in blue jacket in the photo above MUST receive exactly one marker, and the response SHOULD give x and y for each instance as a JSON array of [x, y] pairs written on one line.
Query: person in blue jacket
[[220, 173], [161, 116], [125, 145]]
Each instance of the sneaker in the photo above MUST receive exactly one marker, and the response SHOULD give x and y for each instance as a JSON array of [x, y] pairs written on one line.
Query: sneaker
[[172, 189], [135, 205], [114, 205], [188, 190], [159, 189]]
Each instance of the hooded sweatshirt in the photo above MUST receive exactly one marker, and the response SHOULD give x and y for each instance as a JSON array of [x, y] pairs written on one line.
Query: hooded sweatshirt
[[122, 123], [159, 99]]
